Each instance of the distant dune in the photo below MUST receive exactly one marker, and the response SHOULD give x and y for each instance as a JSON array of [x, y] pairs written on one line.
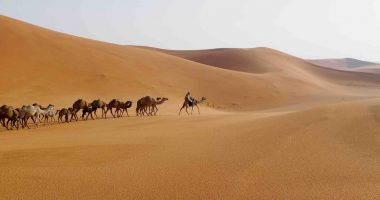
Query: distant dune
[[274, 126], [270, 61], [345, 63]]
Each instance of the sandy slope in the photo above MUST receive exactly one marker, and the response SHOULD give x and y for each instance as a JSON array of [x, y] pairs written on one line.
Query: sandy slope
[[319, 153], [272, 62], [287, 129]]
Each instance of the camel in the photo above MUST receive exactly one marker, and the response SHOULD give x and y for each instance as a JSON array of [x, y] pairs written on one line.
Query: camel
[[158, 101], [195, 103], [64, 112], [123, 107], [88, 110], [78, 105], [113, 104], [15, 120], [150, 103], [32, 112], [41, 116], [96, 104], [13, 116], [6, 112], [47, 113]]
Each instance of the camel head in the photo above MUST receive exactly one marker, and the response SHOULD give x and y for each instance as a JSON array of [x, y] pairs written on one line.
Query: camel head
[[128, 104], [37, 105], [163, 99]]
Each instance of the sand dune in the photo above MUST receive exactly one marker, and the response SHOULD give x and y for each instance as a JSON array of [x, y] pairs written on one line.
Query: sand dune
[[275, 126], [342, 64], [270, 61], [373, 69], [349, 64]]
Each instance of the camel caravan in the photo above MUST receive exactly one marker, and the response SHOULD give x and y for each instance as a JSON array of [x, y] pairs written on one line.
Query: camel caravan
[[17, 118]]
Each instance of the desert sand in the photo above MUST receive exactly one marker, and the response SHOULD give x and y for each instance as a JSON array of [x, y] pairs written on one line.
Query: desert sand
[[274, 126]]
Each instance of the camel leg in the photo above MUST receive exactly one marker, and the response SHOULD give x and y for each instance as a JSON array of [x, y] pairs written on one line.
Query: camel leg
[[117, 112], [14, 124], [95, 113], [9, 120], [192, 109], [141, 111], [186, 110], [83, 114], [152, 109], [22, 123], [126, 110], [183, 106], [2, 122], [199, 112], [112, 113], [37, 121], [156, 109], [74, 115], [148, 109], [17, 124], [103, 112], [34, 121], [26, 122]]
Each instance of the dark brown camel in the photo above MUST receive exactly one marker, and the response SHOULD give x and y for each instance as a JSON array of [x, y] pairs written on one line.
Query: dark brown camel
[[113, 104], [96, 104], [16, 118], [64, 112], [123, 107], [6, 112], [88, 110], [78, 105]]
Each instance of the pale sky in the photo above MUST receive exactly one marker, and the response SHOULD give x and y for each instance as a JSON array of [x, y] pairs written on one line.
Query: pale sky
[[305, 28]]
